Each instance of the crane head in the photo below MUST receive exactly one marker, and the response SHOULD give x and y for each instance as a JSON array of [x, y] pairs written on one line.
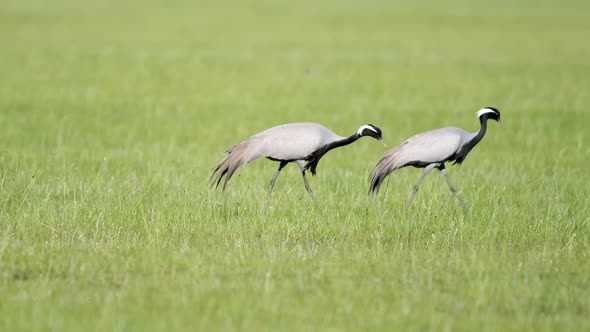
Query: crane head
[[490, 112], [371, 130]]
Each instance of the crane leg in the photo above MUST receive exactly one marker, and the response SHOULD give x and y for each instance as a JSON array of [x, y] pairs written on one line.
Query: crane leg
[[302, 166], [307, 187], [272, 183], [453, 190], [427, 170]]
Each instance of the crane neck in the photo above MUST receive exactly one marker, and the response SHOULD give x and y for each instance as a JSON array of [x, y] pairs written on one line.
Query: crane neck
[[479, 135], [342, 142], [482, 130], [314, 158], [339, 143], [460, 156]]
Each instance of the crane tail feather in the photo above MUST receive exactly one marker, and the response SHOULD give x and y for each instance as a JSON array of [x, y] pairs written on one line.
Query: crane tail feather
[[385, 166], [220, 177], [236, 157]]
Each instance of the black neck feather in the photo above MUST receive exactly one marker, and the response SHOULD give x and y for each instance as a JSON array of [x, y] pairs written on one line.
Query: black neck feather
[[482, 130], [314, 158], [473, 142], [342, 142]]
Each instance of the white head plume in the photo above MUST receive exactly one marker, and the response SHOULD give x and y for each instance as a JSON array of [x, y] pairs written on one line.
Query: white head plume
[[360, 131], [484, 111]]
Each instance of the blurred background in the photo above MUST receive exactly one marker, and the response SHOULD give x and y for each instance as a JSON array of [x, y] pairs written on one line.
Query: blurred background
[[181, 72], [113, 114]]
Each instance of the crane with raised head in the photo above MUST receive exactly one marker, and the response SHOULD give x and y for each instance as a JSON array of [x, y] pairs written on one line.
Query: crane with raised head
[[432, 149]]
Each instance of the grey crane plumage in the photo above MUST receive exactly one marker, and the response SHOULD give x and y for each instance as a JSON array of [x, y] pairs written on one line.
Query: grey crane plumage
[[432, 149], [303, 143]]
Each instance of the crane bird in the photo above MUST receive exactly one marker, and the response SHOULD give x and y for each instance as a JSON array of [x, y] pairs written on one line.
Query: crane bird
[[292, 142], [432, 149]]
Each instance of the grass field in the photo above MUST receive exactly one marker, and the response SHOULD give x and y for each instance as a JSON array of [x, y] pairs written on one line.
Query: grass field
[[113, 114]]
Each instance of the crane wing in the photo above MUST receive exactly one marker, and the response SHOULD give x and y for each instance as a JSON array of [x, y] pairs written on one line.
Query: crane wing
[[429, 147], [289, 142], [294, 141]]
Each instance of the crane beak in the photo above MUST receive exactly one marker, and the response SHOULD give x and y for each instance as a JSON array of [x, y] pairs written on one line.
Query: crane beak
[[500, 122], [381, 140]]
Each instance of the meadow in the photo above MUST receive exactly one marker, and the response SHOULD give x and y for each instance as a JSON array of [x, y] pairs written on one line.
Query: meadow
[[113, 114]]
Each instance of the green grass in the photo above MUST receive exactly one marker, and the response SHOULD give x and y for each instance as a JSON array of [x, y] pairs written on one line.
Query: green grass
[[112, 116]]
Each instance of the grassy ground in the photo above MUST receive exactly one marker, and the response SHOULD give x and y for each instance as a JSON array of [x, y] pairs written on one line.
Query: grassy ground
[[113, 114]]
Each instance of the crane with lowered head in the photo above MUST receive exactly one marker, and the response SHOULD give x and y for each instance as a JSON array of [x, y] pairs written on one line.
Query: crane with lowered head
[[303, 143]]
